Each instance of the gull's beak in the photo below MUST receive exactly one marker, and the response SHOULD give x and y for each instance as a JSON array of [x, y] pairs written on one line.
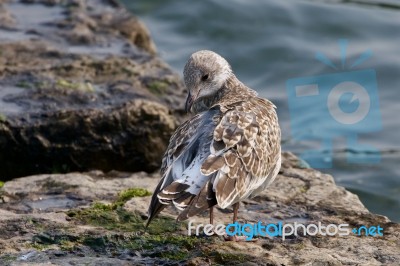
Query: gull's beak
[[189, 102]]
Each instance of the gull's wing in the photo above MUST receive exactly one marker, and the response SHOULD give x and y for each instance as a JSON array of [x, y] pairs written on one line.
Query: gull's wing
[[245, 153], [244, 156], [181, 177], [219, 157]]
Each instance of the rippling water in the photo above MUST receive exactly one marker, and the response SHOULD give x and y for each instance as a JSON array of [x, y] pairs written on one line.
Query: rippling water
[[269, 42]]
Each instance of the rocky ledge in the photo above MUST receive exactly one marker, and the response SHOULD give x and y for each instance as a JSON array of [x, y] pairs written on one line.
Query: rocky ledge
[[98, 219], [81, 88]]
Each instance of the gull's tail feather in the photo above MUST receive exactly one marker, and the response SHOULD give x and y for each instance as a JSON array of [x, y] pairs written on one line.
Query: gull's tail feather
[[203, 201], [155, 206]]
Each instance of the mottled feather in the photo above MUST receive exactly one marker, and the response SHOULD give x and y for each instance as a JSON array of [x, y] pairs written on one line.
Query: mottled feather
[[227, 152]]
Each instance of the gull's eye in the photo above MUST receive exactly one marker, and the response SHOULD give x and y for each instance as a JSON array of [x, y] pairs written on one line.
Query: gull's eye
[[204, 78]]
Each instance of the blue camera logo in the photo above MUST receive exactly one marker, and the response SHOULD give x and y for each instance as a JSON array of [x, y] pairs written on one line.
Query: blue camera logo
[[330, 106]]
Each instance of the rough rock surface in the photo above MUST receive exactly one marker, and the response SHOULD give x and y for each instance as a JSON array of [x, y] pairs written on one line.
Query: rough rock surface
[[79, 218], [81, 88]]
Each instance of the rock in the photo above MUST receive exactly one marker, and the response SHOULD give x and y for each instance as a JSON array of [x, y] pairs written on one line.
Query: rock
[[81, 89], [84, 218]]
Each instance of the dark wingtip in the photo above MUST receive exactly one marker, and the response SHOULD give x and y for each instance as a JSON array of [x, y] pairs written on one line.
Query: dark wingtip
[[147, 224], [153, 213]]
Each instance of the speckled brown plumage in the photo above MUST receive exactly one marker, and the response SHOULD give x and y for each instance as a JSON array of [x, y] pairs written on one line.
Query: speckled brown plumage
[[228, 151]]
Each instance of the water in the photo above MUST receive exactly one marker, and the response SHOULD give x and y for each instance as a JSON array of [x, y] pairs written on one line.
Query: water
[[269, 42]]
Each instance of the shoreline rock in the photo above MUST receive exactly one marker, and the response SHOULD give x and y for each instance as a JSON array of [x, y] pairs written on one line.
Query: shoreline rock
[[85, 218], [81, 88]]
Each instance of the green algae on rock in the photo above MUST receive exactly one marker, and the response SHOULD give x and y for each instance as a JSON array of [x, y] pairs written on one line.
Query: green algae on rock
[[129, 193], [103, 222], [112, 215]]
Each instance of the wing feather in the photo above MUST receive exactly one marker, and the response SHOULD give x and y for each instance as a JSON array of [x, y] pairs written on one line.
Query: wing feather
[[251, 151], [182, 180], [219, 158]]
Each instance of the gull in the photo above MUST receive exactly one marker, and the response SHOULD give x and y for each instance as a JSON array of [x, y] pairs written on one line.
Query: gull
[[228, 151]]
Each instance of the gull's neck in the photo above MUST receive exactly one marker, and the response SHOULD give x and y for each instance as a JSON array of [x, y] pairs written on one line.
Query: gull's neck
[[232, 91]]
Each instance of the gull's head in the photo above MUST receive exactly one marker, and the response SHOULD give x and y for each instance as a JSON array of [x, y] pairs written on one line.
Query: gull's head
[[204, 74]]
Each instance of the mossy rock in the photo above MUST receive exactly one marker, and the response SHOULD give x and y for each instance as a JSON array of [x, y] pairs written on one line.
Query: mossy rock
[[158, 87], [126, 231], [3, 118]]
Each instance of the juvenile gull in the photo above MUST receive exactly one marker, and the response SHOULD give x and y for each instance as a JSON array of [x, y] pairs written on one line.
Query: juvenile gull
[[227, 152]]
